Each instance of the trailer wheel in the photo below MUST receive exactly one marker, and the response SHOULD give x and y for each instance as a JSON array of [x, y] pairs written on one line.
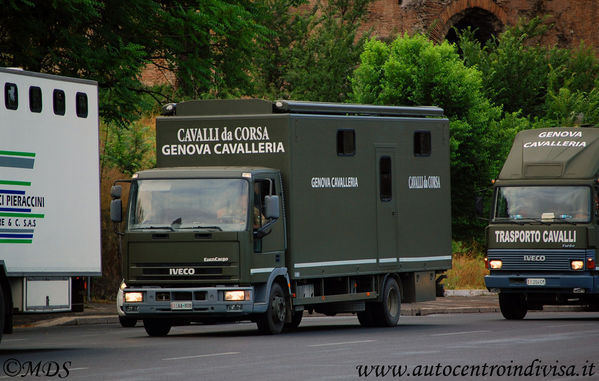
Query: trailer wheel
[[513, 306], [273, 321], [157, 327], [386, 313]]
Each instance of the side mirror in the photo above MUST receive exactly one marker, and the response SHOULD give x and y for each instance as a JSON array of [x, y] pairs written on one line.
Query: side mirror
[[116, 210], [271, 207], [116, 191]]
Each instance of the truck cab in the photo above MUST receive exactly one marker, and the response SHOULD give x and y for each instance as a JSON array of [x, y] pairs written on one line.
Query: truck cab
[[204, 220], [542, 237]]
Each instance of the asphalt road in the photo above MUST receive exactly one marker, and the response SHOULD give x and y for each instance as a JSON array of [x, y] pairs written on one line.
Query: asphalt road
[[544, 346]]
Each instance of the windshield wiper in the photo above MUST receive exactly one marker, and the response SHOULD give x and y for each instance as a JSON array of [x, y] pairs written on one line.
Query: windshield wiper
[[154, 228], [203, 227], [521, 221], [565, 218]]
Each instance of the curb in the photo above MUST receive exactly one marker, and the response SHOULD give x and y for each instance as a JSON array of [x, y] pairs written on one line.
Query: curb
[[72, 320], [447, 310], [469, 293]]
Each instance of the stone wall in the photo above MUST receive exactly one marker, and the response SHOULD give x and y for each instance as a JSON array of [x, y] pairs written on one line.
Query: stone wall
[[573, 20]]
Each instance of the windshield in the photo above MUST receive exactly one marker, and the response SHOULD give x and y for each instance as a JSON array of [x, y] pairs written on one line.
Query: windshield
[[568, 203], [214, 204]]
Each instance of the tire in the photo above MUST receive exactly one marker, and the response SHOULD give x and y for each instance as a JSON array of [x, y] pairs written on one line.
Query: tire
[[513, 306], [273, 320], [296, 319], [366, 317], [386, 313], [127, 322], [157, 327]]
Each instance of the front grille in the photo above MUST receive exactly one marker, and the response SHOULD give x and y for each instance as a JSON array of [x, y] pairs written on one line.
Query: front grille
[[183, 272], [187, 278], [197, 271], [181, 295], [538, 260]]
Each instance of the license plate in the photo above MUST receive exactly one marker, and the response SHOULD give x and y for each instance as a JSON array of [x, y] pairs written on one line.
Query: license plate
[[536, 281], [178, 306]]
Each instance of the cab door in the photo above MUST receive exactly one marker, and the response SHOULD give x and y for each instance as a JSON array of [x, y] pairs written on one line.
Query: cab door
[[269, 250]]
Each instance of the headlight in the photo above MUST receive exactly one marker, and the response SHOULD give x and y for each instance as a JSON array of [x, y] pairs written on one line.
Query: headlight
[[577, 265], [237, 295], [495, 264], [134, 297]]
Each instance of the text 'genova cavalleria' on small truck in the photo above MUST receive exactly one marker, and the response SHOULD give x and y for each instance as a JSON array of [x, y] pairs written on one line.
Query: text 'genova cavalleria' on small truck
[[260, 210], [543, 234], [49, 192]]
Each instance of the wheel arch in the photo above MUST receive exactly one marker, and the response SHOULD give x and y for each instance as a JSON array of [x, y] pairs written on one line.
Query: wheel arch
[[262, 291], [399, 281]]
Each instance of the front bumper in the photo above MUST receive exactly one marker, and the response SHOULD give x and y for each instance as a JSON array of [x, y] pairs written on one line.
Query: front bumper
[[580, 283], [190, 303]]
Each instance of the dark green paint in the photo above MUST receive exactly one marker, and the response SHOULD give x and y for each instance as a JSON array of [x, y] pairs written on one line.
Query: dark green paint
[[323, 231]]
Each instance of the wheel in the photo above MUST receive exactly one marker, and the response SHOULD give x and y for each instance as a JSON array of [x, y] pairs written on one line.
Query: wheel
[[127, 322], [513, 306], [273, 321], [296, 319], [157, 327], [386, 313]]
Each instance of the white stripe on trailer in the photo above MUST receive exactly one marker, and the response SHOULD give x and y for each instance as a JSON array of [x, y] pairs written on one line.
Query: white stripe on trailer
[[335, 263], [427, 259]]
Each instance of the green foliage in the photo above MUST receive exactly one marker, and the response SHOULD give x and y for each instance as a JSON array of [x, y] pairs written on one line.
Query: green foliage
[[515, 66], [128, 149], [567, 108], [285, 27], [207, 44], [540, 82], [312, 51], [414, 71]]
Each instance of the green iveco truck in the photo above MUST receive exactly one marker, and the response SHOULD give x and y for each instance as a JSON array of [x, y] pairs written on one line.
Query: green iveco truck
[[260, 210], [544, 230]]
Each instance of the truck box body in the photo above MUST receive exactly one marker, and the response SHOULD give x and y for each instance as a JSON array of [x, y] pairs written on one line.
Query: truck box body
[[334, 209], [50, 167], [49, 188], [364, 190], [542, 238]]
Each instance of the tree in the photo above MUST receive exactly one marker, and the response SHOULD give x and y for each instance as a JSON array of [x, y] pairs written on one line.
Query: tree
[[312, 49], [515, 66], [414, 71], [129, 149], [541, 82], [207, 44]]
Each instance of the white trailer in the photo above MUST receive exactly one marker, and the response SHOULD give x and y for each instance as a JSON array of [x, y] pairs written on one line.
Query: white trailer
[[49, 192]]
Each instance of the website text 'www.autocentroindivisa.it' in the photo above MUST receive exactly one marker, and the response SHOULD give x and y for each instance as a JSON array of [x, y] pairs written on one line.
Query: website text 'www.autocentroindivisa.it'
[[536, 368]]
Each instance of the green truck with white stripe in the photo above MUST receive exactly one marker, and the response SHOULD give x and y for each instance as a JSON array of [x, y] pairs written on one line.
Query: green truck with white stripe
[[262, 210]]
